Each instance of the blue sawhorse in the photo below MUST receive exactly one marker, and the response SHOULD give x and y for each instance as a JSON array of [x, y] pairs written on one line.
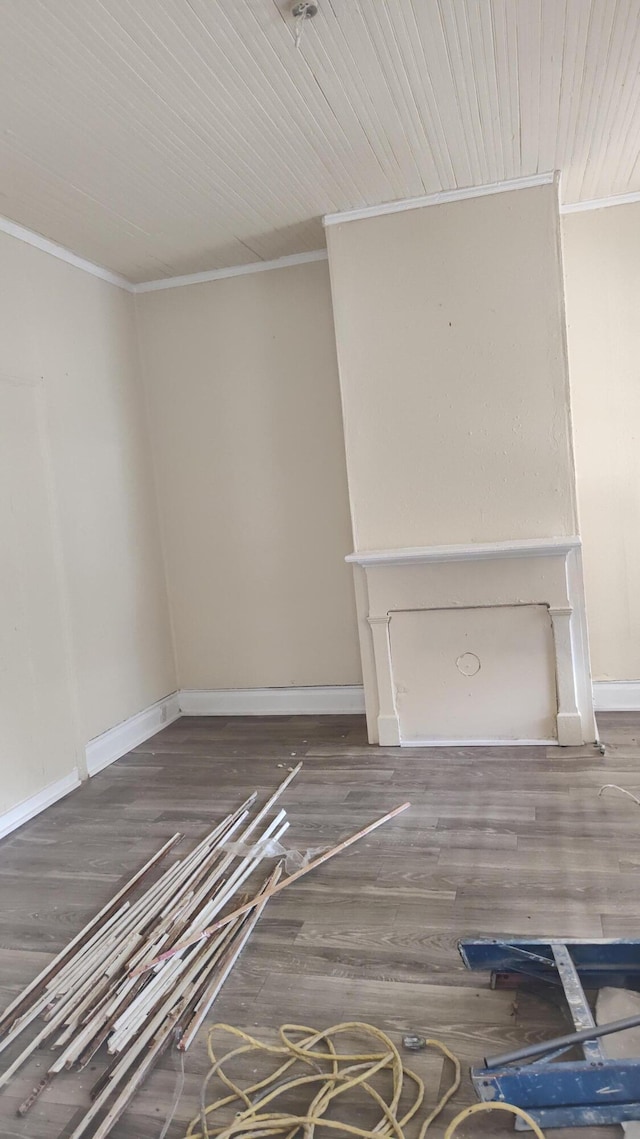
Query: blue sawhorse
[[592, 1091]]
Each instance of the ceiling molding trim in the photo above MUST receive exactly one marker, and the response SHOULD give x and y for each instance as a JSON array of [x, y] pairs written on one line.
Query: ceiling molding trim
[[39, 242], [233, 271], [600, 203], [439, 199]]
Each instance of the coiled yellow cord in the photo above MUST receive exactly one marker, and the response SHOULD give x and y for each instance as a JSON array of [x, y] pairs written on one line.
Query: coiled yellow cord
[[300, 1045], [510, 1107]]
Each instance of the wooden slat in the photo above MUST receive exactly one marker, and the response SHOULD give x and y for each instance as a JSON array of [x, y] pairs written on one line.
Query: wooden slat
[[376, 940]]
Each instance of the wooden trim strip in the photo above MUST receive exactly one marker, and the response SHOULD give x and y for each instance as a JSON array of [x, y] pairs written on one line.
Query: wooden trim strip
[[276, 890]]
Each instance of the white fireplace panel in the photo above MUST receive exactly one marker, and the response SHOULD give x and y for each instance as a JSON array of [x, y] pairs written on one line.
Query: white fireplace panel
[[541, 575], [473, 674]]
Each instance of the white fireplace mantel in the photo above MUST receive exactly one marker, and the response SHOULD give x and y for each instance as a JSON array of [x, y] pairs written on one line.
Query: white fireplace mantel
[[478, 551], [534, 572]]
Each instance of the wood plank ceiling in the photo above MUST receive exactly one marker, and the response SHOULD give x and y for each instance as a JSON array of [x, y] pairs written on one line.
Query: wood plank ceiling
[[159, 137]]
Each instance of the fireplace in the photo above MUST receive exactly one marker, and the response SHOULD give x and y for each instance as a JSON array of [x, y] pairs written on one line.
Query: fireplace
[[477, 644]]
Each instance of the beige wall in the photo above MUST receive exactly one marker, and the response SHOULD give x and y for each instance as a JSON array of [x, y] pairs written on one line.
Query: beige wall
[[243, 392], [449, 326], [38, 737], [103, 474], [602, 270], [85, 601]]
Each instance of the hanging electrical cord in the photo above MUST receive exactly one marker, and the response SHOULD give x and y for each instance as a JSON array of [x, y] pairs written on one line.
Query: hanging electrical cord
[[333, 1074], [301, 13]]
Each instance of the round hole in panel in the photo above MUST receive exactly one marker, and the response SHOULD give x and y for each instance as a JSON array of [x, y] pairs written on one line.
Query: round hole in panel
[[468, 664]]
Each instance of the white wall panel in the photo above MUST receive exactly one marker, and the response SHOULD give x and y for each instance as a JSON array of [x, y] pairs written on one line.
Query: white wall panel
[[486, 673]]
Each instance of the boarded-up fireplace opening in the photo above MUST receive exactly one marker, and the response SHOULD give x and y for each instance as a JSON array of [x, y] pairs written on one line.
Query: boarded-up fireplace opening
[[474, 674]]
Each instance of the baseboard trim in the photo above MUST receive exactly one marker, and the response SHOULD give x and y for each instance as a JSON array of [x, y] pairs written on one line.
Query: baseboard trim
[[26, 810], [117, 741], [320, 700], [478, 743], [616, 695], [327, 700]]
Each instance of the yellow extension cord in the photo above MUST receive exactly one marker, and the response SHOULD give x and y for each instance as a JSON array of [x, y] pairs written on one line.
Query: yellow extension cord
[[315, 1049]]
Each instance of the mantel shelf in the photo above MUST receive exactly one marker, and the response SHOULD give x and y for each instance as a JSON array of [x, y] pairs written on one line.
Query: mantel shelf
[[475, 551]]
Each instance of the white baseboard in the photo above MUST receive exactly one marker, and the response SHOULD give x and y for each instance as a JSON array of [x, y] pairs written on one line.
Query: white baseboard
[[327, 700], [616, 695], [478, 743], [339, 699], [37, 803], [116, 742]]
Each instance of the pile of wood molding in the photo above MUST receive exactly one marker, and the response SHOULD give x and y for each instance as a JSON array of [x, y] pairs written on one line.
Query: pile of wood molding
[[144, 973]]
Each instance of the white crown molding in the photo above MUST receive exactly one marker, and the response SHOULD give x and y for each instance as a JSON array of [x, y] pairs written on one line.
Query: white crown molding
[[600, 203], [26, 810], [616, 695], [439, 199], [233, 271], [117, 741], [12, 229], [478, 551], [30, 238], [320, 700]]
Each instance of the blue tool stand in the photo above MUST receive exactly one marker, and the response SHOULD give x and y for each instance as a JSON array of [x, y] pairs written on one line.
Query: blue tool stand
[[592, 1091]]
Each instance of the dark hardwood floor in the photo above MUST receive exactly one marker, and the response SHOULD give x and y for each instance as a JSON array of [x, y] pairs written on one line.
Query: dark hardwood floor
[[498, 841]]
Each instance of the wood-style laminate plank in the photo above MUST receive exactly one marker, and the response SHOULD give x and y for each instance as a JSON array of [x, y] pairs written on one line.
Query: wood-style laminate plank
[[511, 841]]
